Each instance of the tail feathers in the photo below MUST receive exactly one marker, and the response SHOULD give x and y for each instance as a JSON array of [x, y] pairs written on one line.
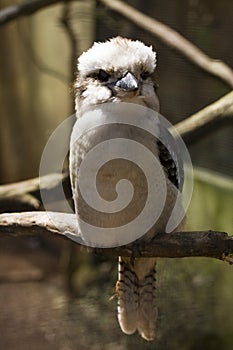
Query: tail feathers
[[136, 296]]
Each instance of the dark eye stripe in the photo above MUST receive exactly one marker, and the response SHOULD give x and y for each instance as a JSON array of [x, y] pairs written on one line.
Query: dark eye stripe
[[102, 75], [145, 75]]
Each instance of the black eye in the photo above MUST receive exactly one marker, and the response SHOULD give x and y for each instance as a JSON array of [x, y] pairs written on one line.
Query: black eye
[[102, 75], [145, 75]]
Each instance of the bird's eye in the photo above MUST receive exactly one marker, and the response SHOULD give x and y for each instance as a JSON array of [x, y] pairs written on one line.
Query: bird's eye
[[145, 75], [102, 75]]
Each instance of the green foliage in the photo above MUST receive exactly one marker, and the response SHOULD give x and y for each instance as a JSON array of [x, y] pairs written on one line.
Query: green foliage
[[211, 204]]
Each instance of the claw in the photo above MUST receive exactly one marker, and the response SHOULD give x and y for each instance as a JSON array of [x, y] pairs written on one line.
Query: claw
[[228, 258]]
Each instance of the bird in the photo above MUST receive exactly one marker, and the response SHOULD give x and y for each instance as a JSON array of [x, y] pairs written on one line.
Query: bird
[[115, 71]]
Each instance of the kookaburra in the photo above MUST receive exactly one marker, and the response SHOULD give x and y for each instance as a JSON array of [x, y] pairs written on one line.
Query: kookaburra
[[120, 70]]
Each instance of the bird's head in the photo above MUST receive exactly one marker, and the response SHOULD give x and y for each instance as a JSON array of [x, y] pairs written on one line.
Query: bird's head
[[118, 70]]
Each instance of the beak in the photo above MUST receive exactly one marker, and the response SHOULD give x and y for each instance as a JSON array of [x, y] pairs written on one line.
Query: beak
[[127, 83]]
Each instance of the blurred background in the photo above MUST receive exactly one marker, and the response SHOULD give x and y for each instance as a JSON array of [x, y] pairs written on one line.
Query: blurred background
[[54, 295]]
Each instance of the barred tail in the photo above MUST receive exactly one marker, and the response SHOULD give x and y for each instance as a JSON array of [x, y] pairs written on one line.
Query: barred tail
[[136, 296]]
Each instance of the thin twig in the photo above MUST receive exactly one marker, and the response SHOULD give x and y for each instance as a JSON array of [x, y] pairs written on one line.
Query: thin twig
[[220, 110], [37, 60], [173, 39], [26, 8], [28, 191], [66, 22]]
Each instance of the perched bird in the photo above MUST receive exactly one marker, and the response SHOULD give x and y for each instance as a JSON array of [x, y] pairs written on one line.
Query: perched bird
[[120, 70]]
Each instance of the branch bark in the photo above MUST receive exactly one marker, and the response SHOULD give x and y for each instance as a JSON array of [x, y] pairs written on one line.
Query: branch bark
[[26, 8], [173, 39], [175, 245]]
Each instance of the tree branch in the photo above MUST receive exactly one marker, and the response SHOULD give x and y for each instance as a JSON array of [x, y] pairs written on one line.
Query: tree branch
[[175, 245], [24, 9], [173, 39], [203, 121], [28, 191], [166, 34]]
